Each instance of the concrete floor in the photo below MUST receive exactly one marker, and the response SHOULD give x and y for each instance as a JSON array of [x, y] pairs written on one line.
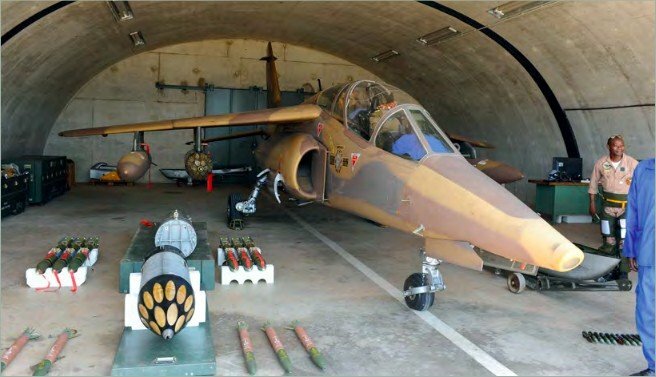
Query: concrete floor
[[361, 329]]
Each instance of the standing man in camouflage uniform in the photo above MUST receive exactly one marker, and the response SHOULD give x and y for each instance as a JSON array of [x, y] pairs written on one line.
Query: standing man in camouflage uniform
[[614, 173]]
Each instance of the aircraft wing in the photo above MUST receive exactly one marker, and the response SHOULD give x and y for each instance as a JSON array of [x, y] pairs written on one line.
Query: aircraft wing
[[473, 142], [283, 115]]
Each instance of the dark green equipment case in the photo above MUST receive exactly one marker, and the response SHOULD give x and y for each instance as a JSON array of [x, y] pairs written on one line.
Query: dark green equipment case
[[14, 193], [47, 176]]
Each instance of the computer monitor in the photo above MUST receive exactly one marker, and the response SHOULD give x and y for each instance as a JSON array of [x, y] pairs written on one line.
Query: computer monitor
[[572, 167]]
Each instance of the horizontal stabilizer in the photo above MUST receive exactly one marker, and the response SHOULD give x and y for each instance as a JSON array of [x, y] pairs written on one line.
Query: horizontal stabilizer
[[454, 252], [283, 115]]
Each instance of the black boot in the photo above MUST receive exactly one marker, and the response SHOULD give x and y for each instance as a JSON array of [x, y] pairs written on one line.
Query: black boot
[[646, 372]]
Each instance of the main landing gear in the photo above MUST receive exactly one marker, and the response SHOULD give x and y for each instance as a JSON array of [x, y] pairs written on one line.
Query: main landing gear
[[419, 288]]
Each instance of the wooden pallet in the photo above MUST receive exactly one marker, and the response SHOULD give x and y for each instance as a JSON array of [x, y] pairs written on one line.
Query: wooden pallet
[[110, 183]]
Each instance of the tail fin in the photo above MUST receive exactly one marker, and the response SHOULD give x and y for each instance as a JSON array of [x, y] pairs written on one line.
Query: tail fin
[[273, 88]]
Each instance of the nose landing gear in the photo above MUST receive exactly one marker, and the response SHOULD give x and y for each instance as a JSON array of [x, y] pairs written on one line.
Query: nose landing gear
[[419, 288]]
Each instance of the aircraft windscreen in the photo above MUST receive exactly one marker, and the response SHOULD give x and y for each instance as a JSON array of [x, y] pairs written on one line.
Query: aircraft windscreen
[[436, 141], [327, 97]]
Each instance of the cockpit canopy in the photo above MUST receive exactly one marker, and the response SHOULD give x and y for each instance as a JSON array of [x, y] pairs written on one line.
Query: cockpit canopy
[[362, 104]]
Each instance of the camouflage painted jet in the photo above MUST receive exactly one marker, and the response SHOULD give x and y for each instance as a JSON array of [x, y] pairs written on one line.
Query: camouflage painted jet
[[370, 150]]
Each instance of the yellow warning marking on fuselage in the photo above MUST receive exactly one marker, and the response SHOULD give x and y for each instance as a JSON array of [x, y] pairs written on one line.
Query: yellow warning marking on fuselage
[[158, 292], [172, 314], [160, 316], [182, 294], [169, 291]]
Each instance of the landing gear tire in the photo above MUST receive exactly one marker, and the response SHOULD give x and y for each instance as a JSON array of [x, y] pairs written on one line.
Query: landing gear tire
[[234, 217], [516, 282], [421, 301]]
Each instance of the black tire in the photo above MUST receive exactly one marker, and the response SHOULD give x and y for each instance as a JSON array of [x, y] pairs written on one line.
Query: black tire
[[235, 218], [516, 282], [421, 301]]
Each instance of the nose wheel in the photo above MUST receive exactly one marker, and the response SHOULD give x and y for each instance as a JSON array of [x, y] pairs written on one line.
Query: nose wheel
[[414, 284], [419, 288]]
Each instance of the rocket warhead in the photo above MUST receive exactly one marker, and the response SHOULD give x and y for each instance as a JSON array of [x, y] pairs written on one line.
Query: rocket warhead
[[166, 298]]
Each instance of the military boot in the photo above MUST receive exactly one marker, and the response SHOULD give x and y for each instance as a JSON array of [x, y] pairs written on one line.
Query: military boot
[[607, 248]]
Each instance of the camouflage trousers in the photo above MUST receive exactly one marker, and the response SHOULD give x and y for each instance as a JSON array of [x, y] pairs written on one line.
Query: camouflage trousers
[[613, 222]]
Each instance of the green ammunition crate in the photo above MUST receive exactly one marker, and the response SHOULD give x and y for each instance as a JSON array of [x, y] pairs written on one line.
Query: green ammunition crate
[[48, 176], [143, 243], [14, 193]]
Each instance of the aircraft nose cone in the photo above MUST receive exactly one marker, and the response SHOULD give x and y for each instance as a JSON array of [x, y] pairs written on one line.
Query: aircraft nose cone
[[483, 213], [567, 257], [547, 247]]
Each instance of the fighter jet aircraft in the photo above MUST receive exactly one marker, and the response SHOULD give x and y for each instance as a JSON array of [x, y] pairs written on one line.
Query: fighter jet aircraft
[[370, 150]]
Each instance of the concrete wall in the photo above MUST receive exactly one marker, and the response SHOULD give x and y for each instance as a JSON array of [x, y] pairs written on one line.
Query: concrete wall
[[126, 93], [593, 54]]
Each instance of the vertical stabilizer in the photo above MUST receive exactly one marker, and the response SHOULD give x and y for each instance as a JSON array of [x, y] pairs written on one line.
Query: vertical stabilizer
[[273, 88]]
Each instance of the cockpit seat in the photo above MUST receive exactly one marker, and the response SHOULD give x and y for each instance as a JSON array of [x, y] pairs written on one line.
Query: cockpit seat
[[385, 141]]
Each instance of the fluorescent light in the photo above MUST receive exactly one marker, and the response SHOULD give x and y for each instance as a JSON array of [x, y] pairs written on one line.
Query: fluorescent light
[[515, 7], [137, 38], [120, 10], [385, 55], [438, 36]]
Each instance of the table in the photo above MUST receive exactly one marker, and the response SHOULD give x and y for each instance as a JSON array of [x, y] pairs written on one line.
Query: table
[[556, 199]]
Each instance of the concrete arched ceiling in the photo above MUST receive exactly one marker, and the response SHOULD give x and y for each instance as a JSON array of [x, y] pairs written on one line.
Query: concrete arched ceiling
[[592, 54]]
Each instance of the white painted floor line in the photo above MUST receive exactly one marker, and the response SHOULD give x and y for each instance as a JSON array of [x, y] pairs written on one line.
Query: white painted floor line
[[460, 341]]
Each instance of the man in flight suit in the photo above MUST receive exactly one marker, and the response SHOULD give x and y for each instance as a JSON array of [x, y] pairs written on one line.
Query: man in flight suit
[[614, 173]]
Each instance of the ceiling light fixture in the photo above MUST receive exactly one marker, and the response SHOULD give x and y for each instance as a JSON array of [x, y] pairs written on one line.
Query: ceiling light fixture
[[137, 38], [515, 7], [121, 10], [438, 36], [385, 55]]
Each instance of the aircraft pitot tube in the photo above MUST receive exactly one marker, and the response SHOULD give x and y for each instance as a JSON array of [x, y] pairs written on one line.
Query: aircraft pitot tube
[[166, 297]]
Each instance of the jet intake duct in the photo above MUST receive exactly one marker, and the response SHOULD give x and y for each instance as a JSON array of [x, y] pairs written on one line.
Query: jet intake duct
[[166, 298], [302, 162]]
